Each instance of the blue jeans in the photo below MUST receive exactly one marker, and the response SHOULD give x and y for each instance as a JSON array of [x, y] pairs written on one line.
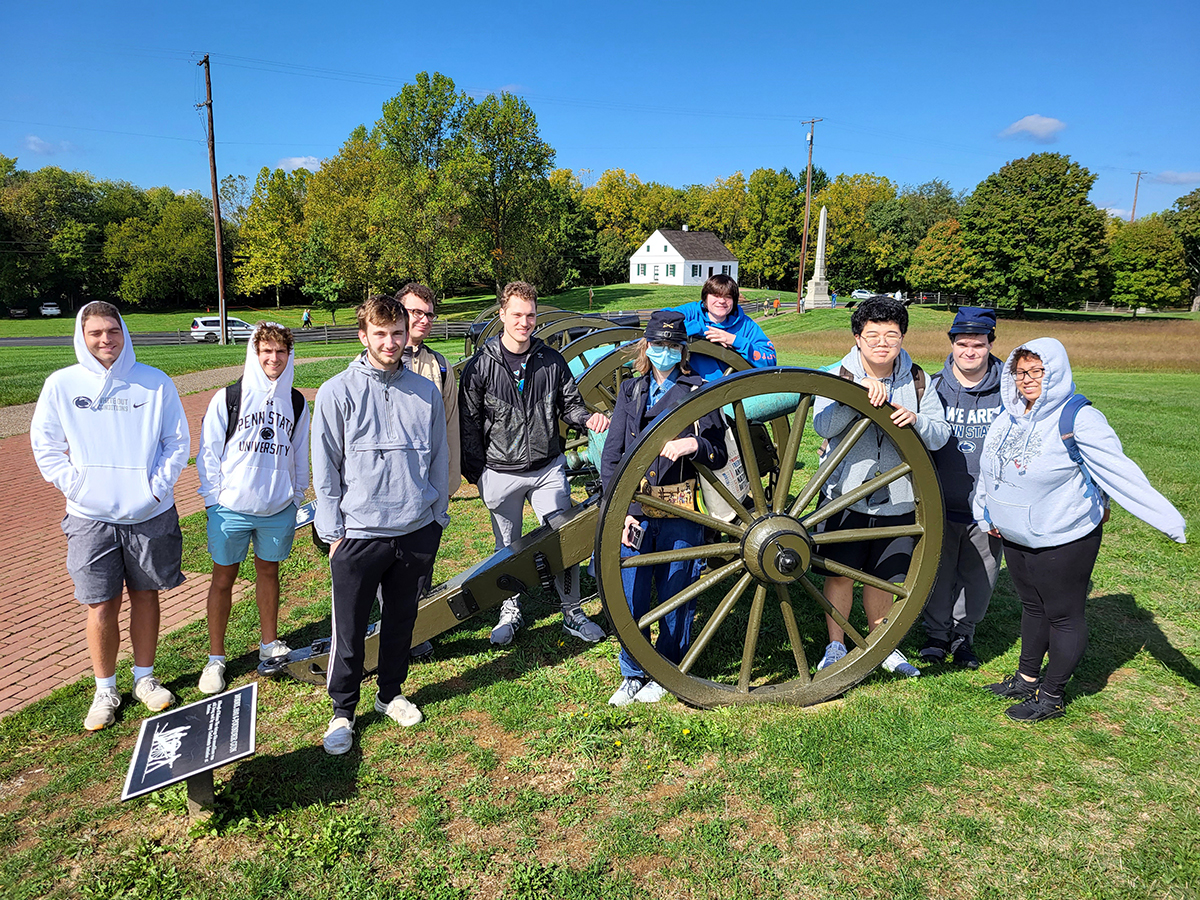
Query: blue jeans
[[675, 628]]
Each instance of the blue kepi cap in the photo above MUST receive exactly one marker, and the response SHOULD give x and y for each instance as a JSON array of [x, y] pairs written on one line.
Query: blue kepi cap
[[974, 320]]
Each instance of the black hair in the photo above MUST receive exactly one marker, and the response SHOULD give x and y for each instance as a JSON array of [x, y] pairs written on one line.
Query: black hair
[[879, 309]]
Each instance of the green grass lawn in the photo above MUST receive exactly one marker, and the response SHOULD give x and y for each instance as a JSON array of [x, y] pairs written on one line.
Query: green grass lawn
[[523, 783]]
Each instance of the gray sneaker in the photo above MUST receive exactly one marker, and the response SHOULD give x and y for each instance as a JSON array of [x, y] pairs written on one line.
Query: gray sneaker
[[103, 711], [339, 736], [651, 693], [510, 622], [273, 650], [212, 678], [624, 695], [149, 690], [577, 624]]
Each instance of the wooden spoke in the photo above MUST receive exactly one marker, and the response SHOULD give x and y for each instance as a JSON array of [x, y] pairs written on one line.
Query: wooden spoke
[[749, 458], [849, 535], [793, 632], [753, 627], [831, 611], [691, 515], [861, 577], [660, 556], [707, 474], [848, 499], [698, 587], [710, 627], [831, 462], [787, 461]]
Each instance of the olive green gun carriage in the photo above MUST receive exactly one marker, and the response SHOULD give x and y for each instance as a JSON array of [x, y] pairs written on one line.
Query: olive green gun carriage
[[759, 628]]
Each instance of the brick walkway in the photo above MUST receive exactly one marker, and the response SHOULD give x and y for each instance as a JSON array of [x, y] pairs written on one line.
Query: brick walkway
[[43, 643]]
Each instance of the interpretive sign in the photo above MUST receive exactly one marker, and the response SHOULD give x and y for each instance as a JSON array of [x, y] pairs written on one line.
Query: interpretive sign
[[193, 739]]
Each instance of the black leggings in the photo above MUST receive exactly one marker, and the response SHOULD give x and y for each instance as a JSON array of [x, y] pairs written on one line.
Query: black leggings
[[1052, 583]]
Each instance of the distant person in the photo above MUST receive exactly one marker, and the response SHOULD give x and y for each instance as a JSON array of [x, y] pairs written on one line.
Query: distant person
[[880, 364], [1049, 508], [306, 319], [380, 470], [664, 382], [110, 433], [514, 393], [969, 388], [253, 468], [718, 318]]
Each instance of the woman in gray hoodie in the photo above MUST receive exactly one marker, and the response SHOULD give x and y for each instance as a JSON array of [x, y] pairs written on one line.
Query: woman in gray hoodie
[[1050, 511]]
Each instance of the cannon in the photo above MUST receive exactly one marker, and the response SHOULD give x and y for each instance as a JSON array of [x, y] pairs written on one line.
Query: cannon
[[760, 616]]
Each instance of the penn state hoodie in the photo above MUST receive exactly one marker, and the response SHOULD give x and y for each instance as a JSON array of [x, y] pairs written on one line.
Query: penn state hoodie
[[1031, 490], [264, 466], [115, 440]]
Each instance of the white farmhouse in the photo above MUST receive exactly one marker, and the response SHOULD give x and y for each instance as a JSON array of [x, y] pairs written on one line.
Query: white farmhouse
[[681, 257]]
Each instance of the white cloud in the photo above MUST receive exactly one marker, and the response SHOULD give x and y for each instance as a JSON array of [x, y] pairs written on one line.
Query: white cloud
[[35, 144], [1177, 177], [1042, 129], [1117, 213], [291, 163]]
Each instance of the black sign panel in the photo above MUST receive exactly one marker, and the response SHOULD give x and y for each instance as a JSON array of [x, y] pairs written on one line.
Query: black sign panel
[[192, 739]]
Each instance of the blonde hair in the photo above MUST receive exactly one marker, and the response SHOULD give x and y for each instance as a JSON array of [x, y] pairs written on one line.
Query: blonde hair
[[641, 363]]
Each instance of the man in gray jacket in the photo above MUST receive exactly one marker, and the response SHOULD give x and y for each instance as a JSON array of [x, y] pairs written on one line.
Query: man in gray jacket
[[381, 472], [879, 363]]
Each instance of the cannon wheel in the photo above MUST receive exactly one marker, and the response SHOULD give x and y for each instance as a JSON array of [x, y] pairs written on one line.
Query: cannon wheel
[[556, 331], [601, 337], [764, 556]]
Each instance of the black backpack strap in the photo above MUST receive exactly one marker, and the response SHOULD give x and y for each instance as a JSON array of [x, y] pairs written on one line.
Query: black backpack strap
[[918, 377], [233, 408], [298, 404]]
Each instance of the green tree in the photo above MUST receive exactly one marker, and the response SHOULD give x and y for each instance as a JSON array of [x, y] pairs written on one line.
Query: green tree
[[322, 280], [720, 208], [565, 252], [941, 262], [272, 233], [1184, 220], [1148, 265], [853, 250], [770, 246], [901, 222], [1036, 235]]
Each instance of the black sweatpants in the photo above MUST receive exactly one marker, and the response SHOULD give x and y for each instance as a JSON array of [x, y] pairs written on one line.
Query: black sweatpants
[[1052, 583], [398, 570]]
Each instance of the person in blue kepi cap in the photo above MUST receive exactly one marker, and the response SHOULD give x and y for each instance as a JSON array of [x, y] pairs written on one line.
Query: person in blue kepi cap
[[969, 387]]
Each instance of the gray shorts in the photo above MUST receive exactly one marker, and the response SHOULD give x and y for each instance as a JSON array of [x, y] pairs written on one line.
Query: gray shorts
[[103, 558]]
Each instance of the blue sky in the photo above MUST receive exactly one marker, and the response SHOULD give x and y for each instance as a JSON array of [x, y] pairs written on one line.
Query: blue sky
[[676, 93]]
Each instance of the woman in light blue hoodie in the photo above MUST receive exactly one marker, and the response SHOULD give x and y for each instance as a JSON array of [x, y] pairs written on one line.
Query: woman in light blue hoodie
[[1050, 511]]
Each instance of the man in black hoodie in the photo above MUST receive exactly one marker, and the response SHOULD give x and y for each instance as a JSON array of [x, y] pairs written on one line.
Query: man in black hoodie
[[969, 387]]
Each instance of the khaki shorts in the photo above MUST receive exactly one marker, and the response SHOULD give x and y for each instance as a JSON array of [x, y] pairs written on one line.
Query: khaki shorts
[[104, 558]]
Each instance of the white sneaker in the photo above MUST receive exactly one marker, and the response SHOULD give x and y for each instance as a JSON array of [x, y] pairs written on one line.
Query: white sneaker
[[895, 662], [103, 711], [149, 690], [400, 710], [273, 650], [510, 622], [651, 693], [339, 736], [624, 695], [212, 679]]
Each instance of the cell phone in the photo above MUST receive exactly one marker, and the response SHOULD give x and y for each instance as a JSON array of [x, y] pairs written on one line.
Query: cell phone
[[636, 533]]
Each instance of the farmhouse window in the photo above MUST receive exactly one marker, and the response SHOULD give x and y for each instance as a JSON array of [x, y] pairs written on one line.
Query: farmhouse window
[[641, 268], [695, 270], [670, 270]]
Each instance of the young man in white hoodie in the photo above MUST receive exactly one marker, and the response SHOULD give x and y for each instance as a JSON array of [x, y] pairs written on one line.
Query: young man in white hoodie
[[110, 433], [253, 468]]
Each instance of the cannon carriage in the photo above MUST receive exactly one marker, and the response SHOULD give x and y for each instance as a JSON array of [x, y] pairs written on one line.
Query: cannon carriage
[[759, 627]]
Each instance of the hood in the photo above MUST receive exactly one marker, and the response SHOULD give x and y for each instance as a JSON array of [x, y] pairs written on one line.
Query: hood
[[120, 369], [1057, 384], [255, 379], [990, 381], [735, 316]]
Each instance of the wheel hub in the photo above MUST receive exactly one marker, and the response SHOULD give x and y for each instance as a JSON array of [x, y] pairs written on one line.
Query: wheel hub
[[777, 549]]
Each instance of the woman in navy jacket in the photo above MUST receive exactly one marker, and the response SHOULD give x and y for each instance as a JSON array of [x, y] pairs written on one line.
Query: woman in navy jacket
[[664, 382]]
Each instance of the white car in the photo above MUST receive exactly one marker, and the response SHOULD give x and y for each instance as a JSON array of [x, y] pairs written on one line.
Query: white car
[[50, 308], [861, 294], [208, 329]]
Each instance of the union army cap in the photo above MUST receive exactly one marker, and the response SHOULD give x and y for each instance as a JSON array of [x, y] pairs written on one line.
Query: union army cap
[[666, 325]]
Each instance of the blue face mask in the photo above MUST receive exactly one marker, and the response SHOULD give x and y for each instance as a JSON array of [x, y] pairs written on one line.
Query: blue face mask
[[664, 358]]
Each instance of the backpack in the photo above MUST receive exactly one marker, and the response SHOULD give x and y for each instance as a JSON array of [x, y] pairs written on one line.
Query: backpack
[[1066, 430], [233, 408]]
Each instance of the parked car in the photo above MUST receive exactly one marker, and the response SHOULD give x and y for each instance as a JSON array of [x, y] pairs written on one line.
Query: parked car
[[861, 294], [208, 329], [50, 308], [18, 312]]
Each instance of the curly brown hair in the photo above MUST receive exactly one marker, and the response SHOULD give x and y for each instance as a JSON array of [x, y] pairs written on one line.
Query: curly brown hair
[[273, 331]]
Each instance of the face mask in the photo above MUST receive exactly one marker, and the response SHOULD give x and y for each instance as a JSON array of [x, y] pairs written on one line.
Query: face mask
[[664, 358]]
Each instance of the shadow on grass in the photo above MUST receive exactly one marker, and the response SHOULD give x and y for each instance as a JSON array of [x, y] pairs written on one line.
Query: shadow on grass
[[265, 785]]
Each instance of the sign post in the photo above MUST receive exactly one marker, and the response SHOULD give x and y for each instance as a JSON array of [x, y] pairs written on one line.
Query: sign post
[[189, 742]]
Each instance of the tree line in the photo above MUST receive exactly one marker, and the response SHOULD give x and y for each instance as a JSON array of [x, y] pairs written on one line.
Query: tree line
[[461, 193]]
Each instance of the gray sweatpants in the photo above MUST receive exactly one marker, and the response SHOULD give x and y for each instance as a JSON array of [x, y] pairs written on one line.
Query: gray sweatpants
[[548, 491], [960, 596]]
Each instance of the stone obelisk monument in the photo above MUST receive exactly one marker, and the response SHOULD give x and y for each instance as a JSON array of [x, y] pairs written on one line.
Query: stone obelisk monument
[[816, 296]]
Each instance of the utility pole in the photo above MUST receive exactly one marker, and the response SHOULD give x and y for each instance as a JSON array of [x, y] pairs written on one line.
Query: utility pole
[[216, 200], [1136, 185], [811, 123]]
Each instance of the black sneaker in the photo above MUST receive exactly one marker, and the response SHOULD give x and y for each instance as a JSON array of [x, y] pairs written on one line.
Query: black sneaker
[[1039, 707], [935, 650], [964, 655], [1015, 687]]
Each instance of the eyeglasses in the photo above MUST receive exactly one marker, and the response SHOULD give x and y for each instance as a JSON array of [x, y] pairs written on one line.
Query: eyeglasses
[[421, 314], [1034, 374], [888, 340]]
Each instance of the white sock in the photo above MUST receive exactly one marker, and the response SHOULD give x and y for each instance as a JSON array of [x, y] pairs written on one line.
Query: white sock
[[140, 672], [213, 659], [109, 683]]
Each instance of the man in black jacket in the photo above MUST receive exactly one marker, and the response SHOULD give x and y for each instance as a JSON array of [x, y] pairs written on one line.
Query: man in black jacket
[[514, 392]]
